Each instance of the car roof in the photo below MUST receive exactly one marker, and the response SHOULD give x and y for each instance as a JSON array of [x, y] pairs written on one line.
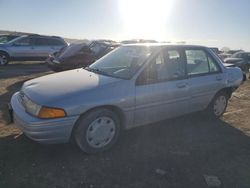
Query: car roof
[[165, 45], [12, 35], [43, 36]]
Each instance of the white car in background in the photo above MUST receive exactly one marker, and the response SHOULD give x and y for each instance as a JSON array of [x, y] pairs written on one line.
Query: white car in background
[[30, 47]]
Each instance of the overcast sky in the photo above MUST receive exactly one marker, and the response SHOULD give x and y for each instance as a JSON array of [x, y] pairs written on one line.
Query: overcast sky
[[206, 22]]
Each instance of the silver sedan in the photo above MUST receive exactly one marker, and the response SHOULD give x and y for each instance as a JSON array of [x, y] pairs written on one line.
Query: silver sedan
[[131, 86]]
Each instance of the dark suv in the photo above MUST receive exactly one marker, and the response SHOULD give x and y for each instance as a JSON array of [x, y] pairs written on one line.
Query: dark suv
[[240, 59], [30, 47], [80, 55]]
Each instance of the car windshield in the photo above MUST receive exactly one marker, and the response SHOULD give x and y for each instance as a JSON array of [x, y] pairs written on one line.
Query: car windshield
[[71, 50], [122, 62], [97, 48], [238, 55]]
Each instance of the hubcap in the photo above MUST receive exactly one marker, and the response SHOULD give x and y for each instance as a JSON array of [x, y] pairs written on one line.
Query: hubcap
[[220, 105], [100, 132], [3, 59]]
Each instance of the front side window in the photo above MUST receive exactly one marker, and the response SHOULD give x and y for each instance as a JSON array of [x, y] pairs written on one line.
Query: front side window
[[198, 62], [166, 66], [122, 62], [23, 42], [4, 39]]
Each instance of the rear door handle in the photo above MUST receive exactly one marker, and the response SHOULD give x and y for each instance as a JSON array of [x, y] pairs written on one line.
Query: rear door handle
[[218, 78], [181, 85]]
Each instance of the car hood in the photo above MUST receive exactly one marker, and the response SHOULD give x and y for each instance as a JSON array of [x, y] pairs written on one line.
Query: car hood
[[61, 86]]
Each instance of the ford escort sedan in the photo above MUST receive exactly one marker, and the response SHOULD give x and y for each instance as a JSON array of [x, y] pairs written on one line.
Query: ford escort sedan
[[133, 85]]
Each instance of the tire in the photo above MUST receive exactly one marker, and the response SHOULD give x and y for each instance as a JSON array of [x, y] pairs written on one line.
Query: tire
[[97, 131], [4, 58], [218, 105]]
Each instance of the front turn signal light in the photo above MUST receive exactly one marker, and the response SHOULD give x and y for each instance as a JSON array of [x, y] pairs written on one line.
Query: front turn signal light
[[47, 112]]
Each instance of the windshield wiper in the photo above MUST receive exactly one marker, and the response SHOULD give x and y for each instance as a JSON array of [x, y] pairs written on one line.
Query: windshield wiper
[[98, 71], [92, 69]]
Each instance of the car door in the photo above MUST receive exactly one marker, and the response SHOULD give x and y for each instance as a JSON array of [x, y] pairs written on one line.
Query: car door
[[161, 88], [42, 47], [205, 78], [22, 48]]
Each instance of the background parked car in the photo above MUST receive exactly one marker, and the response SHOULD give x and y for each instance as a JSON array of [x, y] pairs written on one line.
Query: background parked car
[[240, 59], [224, 55], [7, 38], [30, 47], [138, 41], [80, 55]]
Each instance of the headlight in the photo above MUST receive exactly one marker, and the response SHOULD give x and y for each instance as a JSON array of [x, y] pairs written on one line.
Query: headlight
[[32, 108], [40, 111], [29, 105]]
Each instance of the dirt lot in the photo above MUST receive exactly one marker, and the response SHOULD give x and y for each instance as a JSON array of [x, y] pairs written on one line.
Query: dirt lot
[[172, 153]]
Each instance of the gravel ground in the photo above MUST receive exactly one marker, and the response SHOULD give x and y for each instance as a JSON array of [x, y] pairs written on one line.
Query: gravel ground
[[188, 151]]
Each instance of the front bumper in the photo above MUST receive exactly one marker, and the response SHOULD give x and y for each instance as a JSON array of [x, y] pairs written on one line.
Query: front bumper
[[47, 131]]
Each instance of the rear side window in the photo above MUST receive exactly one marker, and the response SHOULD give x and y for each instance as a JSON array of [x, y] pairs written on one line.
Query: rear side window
[[55, 42], [47, 42], [40, 41], [198, 62], [23, 42], [248, 57]]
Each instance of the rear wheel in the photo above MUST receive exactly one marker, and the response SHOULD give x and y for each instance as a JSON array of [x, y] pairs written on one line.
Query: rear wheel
[[218, 105], [4, 58], [97, 131]]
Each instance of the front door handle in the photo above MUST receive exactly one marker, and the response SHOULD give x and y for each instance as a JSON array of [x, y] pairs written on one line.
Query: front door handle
[[181, 85]]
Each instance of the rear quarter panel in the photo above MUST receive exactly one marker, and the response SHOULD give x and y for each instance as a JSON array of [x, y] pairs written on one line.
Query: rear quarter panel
[[234, 76]]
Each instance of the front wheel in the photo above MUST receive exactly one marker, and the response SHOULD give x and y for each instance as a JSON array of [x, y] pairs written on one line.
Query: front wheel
[[97, 131], [4, 59], [218, 105]]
